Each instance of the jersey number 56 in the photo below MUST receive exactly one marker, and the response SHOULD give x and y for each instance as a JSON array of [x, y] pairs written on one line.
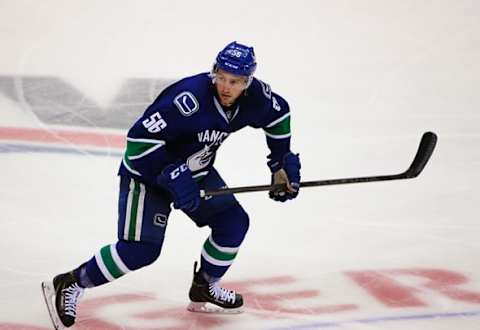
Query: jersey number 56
[[155, 123]]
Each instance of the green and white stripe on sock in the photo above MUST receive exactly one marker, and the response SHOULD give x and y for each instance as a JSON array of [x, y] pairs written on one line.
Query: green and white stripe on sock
[[279, 128], [110, 263], [134, 214], [218, 255]]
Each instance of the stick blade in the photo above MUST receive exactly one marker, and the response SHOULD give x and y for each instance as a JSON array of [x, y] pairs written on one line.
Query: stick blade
[[424, 152]]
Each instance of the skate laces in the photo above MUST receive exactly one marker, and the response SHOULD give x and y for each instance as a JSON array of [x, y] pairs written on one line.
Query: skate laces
[[220, 293], [72, 293]]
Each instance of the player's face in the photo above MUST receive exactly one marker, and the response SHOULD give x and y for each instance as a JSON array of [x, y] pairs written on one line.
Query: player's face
[[229, 87]]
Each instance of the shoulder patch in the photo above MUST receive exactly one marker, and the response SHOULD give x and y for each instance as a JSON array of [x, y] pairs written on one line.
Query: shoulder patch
[[186, 103]]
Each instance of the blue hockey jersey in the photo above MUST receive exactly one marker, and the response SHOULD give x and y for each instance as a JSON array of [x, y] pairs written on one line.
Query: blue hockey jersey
[[187, 123]]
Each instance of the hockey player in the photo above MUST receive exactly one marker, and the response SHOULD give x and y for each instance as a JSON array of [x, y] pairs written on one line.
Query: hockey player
[[169, 157]]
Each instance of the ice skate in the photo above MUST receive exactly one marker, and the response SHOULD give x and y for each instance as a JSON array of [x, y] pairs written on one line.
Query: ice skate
[[208, 297], [61, 296]]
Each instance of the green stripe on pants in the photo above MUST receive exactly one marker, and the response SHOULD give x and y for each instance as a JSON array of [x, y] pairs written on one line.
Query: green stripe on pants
[[133, 213]]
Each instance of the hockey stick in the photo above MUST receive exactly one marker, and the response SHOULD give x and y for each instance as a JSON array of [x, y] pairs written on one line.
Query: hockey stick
[[425, 150]]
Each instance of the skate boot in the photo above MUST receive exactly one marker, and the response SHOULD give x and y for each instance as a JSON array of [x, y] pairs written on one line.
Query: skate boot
[[208, 297], [61, 296]]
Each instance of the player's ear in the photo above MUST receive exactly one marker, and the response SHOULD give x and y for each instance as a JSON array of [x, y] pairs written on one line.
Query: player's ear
[[213, 72]]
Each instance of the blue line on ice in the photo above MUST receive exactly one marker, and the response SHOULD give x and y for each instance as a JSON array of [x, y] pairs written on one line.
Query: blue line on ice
[[322, 325]]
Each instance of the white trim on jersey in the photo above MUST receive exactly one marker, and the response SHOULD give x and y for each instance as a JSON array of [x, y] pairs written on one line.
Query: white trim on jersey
[[129, 168], [222, 113], [278, 120], [277, 137]]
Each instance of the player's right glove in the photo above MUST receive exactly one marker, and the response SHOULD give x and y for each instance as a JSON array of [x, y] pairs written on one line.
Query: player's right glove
[[177, 179], [287, 172]]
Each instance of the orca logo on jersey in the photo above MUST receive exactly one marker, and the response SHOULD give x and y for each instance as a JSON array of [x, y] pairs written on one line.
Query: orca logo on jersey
[[200, 159], [186, 103]]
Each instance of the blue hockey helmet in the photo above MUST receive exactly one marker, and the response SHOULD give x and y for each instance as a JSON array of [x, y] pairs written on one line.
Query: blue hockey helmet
[[237, 59]]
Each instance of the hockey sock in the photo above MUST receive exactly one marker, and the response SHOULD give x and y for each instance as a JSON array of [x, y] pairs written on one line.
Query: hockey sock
[[216, 259], [220, 249], [82, 277], [115, 260]]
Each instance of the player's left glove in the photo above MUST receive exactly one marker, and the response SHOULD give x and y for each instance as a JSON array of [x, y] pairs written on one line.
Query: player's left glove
[[286, 171]]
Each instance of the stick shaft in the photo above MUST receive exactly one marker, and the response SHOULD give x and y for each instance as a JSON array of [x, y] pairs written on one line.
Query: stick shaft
[[424, 152], [305, 184]]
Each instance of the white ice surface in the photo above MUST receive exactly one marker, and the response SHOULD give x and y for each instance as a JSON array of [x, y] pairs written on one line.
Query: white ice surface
[[364, 80]]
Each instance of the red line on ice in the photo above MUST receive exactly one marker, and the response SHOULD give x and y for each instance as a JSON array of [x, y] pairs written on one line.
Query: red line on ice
[[63, 136]]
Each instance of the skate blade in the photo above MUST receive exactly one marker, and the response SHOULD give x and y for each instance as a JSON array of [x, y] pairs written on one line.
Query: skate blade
[[208, 308], [49, 296]]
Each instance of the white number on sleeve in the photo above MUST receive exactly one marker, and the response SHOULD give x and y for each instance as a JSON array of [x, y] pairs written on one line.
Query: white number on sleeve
[[155, 123], [276, 105], [267, 91]]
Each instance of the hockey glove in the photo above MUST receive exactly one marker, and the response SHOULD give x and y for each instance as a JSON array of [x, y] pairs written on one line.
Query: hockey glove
[[177, 179], [286, 171]]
